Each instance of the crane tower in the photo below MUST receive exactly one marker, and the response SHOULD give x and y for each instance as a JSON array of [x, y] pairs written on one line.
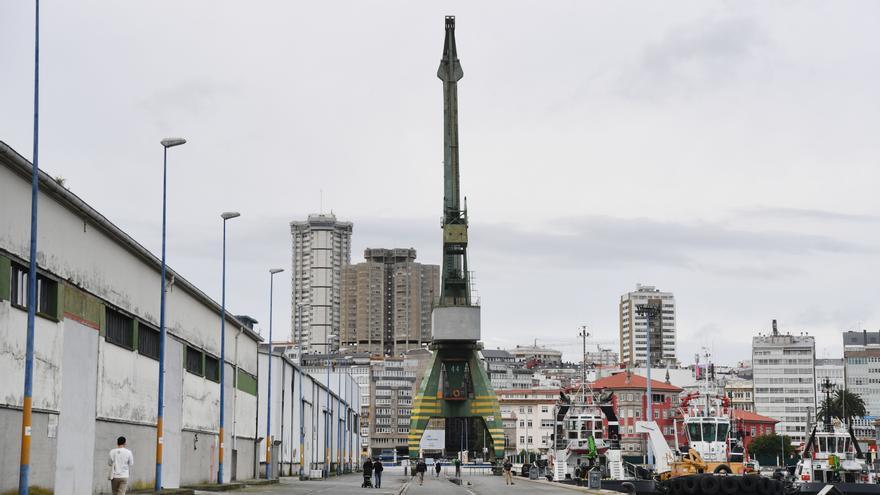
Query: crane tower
[[455, 386]]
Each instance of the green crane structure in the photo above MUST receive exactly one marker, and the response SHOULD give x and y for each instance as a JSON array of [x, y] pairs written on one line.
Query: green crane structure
[[455, 386]]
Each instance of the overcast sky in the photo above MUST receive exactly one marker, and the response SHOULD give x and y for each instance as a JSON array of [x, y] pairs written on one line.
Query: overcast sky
[[724, 151]]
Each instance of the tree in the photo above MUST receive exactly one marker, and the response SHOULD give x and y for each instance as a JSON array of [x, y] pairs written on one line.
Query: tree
[[855, 406], [768, 445]]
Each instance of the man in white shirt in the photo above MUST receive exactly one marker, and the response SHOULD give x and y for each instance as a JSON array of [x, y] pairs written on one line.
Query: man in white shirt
[[121, 459]]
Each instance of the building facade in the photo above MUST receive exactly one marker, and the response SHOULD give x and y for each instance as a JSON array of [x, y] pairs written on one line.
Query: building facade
[[321, 248], [832, 369], [784, 376], [531, 413], [96, 352], [741, 394], [387, 302], [634, 336]]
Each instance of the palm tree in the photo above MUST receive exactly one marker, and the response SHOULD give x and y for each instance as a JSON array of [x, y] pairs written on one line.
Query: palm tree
[[844, 405]]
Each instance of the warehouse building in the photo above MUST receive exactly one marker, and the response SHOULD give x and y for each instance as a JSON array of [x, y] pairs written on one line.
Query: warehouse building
[[96, 352]]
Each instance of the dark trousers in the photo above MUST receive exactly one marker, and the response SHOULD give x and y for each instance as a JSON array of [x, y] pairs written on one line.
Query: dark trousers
[[378, 476]]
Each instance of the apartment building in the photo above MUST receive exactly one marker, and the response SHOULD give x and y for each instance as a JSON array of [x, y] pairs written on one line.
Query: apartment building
[[784, 376], [634, 336], [387, 302]]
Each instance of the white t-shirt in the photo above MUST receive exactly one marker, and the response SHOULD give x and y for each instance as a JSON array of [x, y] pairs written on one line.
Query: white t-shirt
[[120, 461]]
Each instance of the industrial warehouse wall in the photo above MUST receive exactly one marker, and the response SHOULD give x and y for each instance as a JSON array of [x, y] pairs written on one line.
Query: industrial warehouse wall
[[286, 410], [87, 390]]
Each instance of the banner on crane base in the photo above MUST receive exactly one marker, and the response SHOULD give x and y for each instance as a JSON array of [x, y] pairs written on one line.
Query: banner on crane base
[[433, 440]]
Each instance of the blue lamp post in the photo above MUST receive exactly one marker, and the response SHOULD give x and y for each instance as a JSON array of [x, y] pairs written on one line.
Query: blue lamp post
[[166, 143], [272, 272], [225, 216]]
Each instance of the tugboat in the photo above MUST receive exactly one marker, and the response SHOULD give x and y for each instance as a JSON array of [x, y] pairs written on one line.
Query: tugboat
[[832, 457]]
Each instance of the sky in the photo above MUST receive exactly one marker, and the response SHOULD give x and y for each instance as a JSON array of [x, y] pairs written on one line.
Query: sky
[[724, 151]]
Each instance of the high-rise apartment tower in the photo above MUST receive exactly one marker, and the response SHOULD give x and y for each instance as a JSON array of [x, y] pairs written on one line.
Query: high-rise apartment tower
[[321, 248], [634, 327], [387, 302]]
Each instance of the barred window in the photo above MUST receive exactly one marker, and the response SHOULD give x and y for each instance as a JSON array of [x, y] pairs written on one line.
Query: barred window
[[148, 341], [194, 361], [47, 290], [120, 329], [212, 368]]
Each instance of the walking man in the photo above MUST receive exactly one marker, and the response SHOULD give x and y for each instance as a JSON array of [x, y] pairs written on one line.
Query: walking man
[[121, 460], [421, 467], [508, 471], [377, 471], [437, 467]]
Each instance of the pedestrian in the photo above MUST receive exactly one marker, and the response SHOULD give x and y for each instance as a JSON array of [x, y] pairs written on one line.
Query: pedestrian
[[377, 472], [457, 468], [508, 471], [368, 473], [121, 460], [437, 467], [421, 467]]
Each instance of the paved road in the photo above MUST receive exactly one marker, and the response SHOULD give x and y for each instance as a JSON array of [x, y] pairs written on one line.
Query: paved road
[[393, 482]]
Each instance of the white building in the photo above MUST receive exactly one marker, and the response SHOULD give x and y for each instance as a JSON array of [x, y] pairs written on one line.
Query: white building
[[532, 413], [542, 355], [321, 247], [785, 380], [633, 327], [96, 352], [327, 415], [832, 369]]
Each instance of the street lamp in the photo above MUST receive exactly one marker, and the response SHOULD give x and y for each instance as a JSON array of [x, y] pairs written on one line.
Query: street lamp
[[26, 421], [272, 272], [166, 143], [649, 312], [225, 216]]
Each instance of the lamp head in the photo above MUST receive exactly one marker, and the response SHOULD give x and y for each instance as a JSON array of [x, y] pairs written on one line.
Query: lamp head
[[170, 142], [273, 271], [229, 214]]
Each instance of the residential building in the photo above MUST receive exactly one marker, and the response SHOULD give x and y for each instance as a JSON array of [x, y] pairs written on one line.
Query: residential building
[[741, 394], [535, 355], [531, 411], [630, 404], [832, 369], [96, 351], [387, 302], [601, 357], [784, 376], [634, 327], [751, 425], [862, 368], [321, 248], [499, 366]]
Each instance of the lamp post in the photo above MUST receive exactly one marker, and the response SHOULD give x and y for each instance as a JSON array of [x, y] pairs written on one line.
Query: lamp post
[[272, 272], [583, 335], [225, 216], [160, 413], [26, 420], [302, 405], [649, 312]]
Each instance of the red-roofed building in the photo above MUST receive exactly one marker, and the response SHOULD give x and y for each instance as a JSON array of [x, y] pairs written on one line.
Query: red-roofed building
[[630, 405], [752, 425]]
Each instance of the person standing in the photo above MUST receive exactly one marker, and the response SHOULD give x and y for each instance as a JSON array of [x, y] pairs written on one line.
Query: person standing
[[457, 468], [377, 471], [121, 460], [437, 467], [508, 471], [421, 467]]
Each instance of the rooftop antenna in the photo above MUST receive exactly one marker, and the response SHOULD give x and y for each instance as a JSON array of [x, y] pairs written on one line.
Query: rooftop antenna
[[775, 330], [322, 201]]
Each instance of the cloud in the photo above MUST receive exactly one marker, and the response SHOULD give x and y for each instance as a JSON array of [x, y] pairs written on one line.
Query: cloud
[[808, 214], [700, 55]]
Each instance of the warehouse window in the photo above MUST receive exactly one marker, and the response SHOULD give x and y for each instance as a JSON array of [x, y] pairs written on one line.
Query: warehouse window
[[47, 291], [194, 362], [120, 329], [148, 341], [212, 368]]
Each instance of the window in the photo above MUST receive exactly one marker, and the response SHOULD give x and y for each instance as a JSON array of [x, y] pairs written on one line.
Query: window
[[544, 409], [120, 329], [657, 397], [530, 423], [148, 341], [194, 361], [522, 439], [47, 291], [530, 440], [212, 368], [656, 414]]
